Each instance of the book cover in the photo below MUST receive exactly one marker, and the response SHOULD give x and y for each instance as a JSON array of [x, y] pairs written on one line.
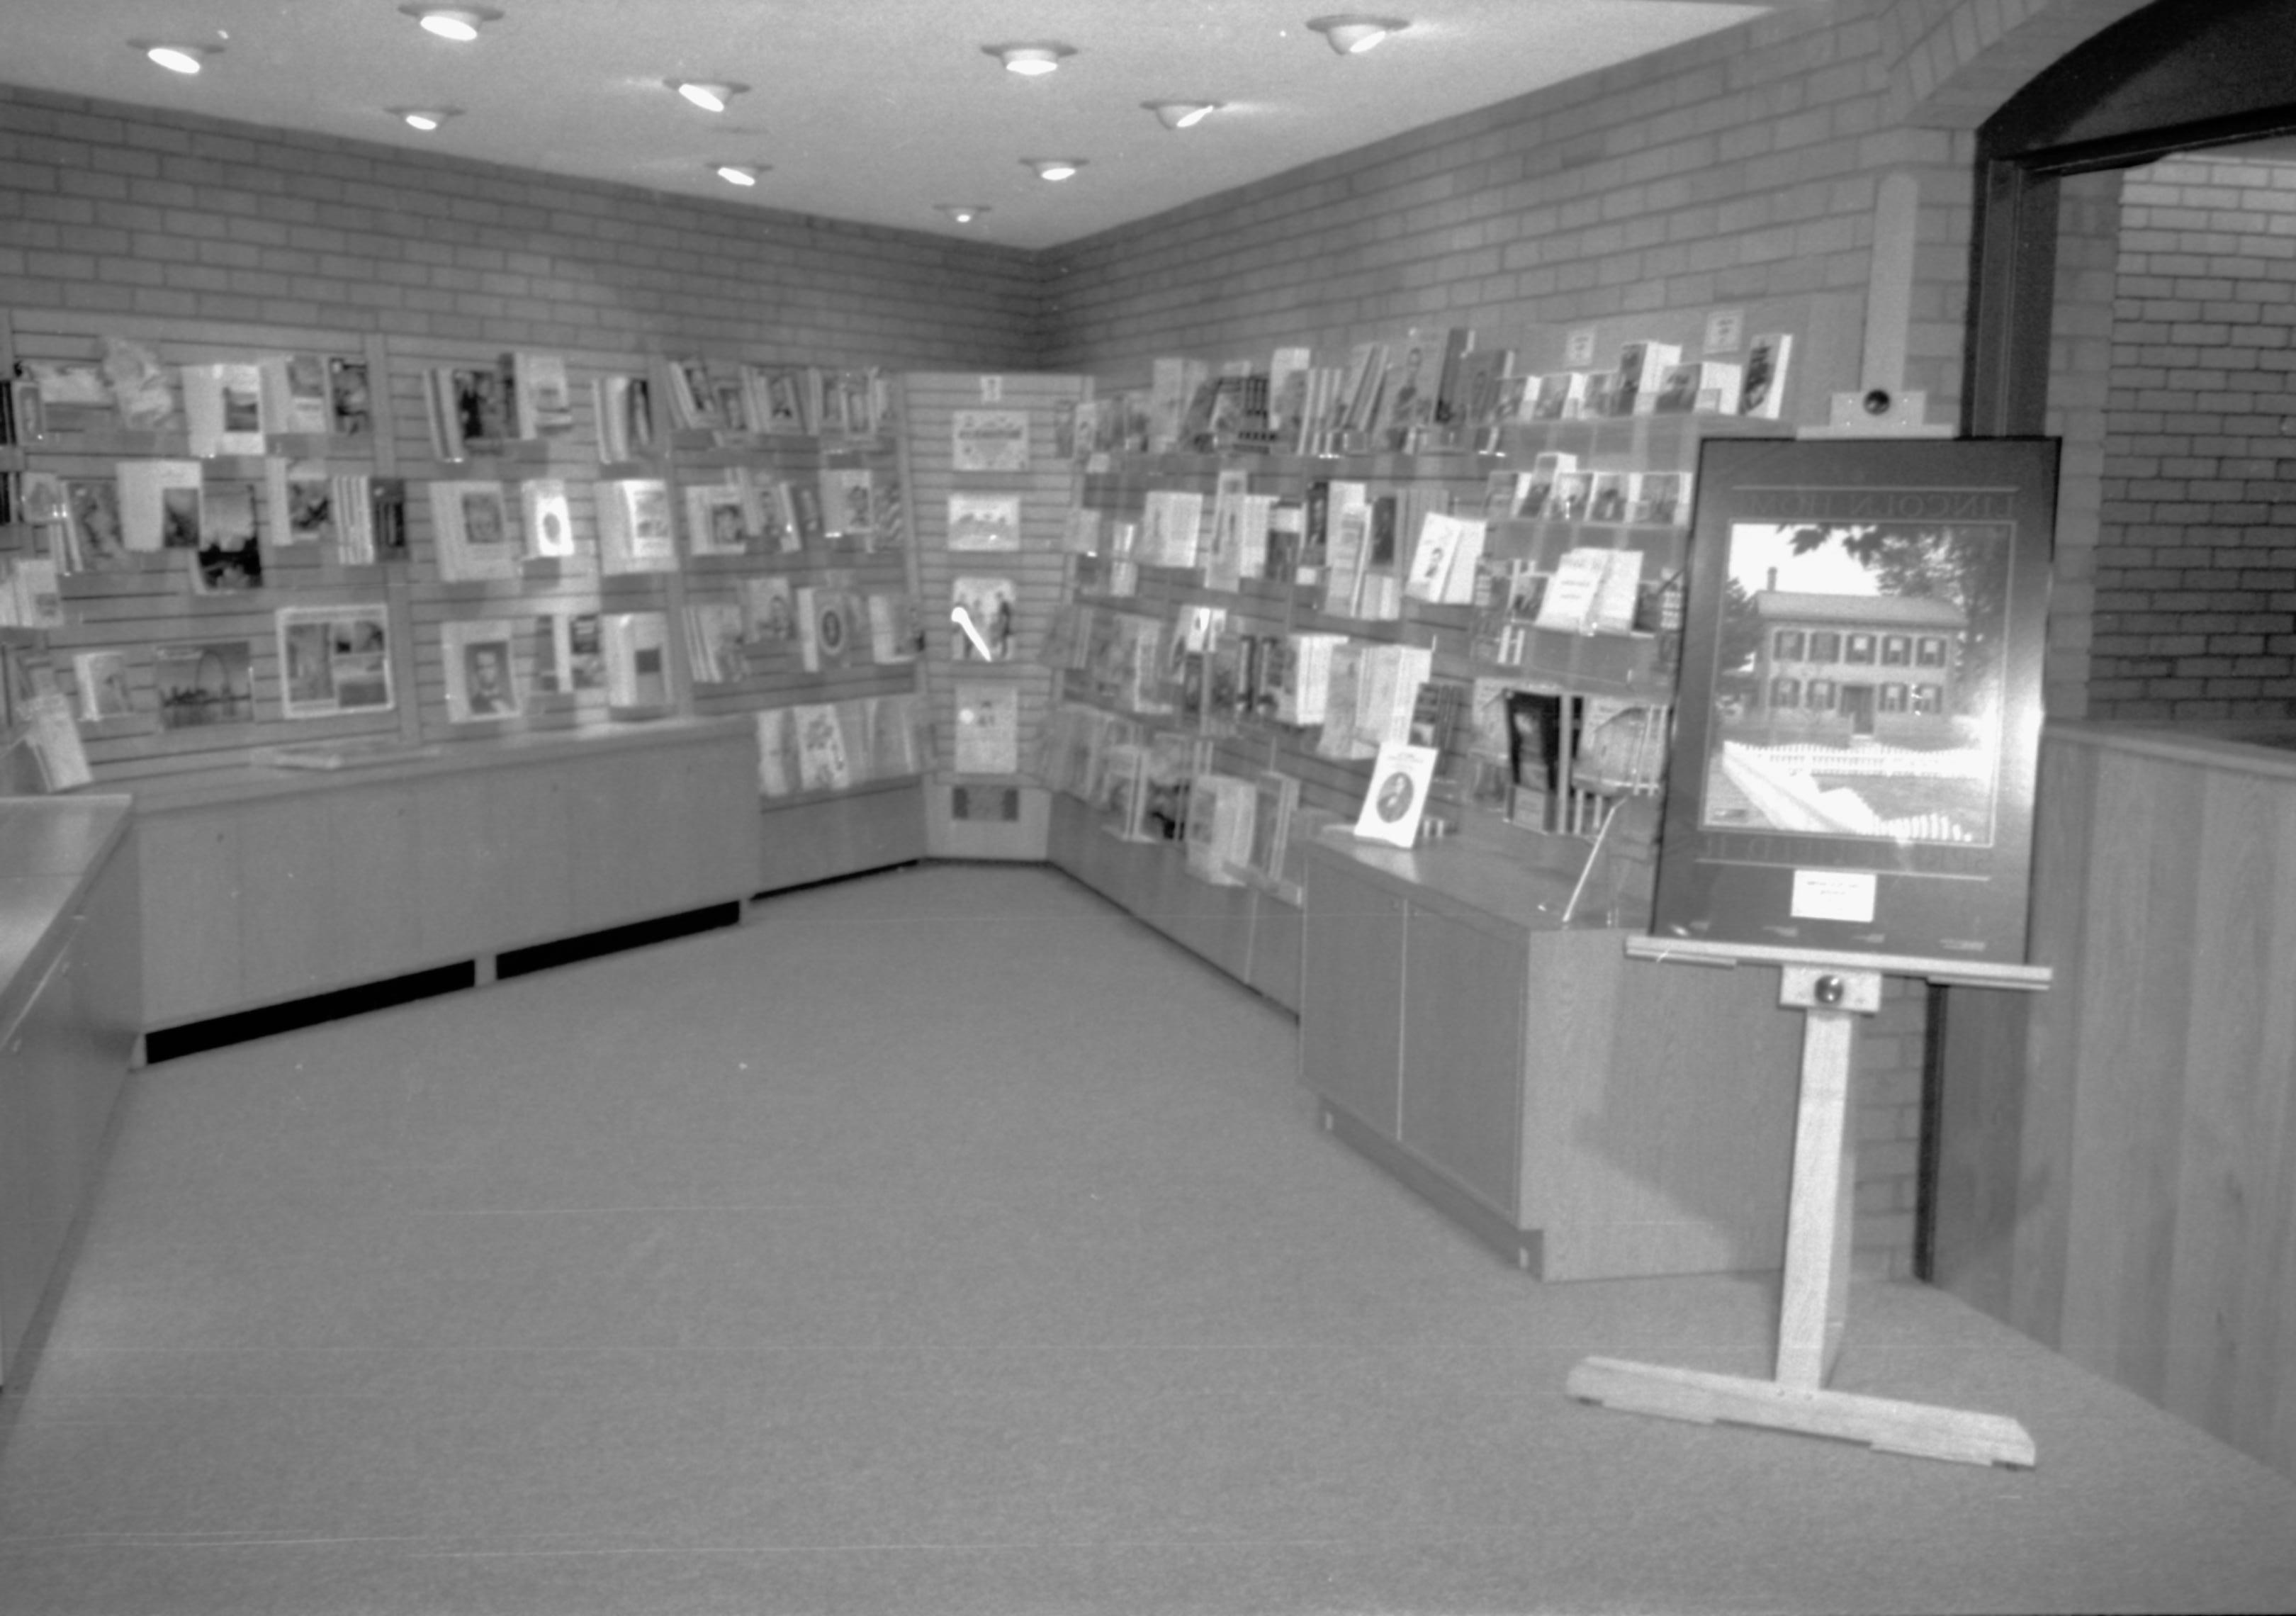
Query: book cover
[[715, 519], [1762, 380], [546, 518], [769, 630], [989, 606], [1397, 797], [196, 684], [350, 405], [222, 408], [568, 653], [471, 528], [987, 740], [296, 396], [715, 647], [829, 628], [1606, 497], [99, 542], [1568, 603], [160, 503], [895, 633], [1219, 828], [636, 646], [49, 730], [101, 679], [989, 441], [230, 557], [636, 533], [770, 515], [823, 761], [777, 764], [848, 505], [984, 521], [482, 673], [335, 660], [542, 398]]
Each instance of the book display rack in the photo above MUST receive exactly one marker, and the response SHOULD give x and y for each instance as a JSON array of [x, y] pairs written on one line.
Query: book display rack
[[412, 599], [1467, 619]]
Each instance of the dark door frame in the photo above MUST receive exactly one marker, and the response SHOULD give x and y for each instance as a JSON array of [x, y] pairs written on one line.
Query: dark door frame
[[2177, 76]]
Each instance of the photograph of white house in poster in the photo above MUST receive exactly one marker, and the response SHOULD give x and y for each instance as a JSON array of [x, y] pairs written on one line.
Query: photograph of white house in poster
[[1847, 706], [1855, 747]]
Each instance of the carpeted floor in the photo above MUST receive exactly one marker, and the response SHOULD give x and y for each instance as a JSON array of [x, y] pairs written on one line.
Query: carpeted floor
[[946, 1243]]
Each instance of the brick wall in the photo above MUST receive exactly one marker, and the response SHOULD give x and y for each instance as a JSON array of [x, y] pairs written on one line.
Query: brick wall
[[2195, 586], [123, 210]]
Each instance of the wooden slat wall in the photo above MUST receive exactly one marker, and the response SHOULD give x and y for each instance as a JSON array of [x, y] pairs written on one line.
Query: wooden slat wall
[[154, 603], [2119, 1154]]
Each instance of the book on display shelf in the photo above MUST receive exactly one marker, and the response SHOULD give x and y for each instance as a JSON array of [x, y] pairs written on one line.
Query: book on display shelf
[[296, 397], [830, 630], [222, 408], [636, 533], [100, 677], [229, 558], [568, 653], [987, 734], [824, 761], [350, 404], [715, 649], [160, 503], [1220, 810], [470, 527], [480, 670], [1395, 799], [636, 650], [334, 660], [547, 519], [1762, 380], [988, 606], [717, 520]]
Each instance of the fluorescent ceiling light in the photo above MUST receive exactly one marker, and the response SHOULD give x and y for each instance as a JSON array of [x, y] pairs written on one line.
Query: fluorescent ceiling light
[[709, 95], [1054, 167], [1031, 59], [459, 23], [739, 174], [187, 59], [964, 213], [1181, 114], [1352, 34]]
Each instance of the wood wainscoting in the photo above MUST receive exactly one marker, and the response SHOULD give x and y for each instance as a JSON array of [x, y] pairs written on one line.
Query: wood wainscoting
[[2117, 1167]]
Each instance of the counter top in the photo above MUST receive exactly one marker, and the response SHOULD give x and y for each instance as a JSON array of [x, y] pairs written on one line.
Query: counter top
[[50, 850]]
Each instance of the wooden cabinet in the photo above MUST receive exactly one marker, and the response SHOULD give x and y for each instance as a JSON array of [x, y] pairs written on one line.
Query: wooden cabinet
[[1585, 1114], [67, 1028], [262, 886]]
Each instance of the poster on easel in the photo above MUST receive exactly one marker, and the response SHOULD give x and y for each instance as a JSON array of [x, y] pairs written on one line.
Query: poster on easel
[[1855, 743]]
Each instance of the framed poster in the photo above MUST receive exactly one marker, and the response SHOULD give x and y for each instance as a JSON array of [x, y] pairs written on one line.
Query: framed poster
[[1860, 710]]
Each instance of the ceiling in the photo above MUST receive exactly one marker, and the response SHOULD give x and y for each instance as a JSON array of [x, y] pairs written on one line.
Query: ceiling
[[870, 111]]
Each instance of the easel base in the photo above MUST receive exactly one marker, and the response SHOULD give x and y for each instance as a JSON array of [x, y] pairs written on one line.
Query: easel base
[[1882, 1424]]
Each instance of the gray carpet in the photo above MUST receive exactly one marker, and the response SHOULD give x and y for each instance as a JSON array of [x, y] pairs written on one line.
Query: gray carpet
[[946, 1243]]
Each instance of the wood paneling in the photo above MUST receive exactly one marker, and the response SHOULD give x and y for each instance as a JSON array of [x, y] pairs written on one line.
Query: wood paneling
[[2117, 1175]]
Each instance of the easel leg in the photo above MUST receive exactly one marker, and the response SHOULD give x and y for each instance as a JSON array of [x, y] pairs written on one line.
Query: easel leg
[[1812, 1308], [1814, 1211]]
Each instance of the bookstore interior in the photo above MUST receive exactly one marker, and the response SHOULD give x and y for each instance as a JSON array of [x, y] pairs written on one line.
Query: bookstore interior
[[1467, 692]]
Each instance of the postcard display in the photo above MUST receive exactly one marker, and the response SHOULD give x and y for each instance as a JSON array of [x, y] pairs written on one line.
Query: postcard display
[[1852, 774], [277, 560], [993, 489], [1345, 659]]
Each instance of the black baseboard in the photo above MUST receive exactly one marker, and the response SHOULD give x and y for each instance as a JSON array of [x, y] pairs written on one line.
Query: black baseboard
[[241, 1025]]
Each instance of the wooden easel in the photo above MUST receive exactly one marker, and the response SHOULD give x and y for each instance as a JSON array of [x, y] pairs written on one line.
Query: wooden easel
[[1813, 1308]]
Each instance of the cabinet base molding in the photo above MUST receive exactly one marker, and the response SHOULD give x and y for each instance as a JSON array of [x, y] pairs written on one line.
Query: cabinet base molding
[[1524, 1247]]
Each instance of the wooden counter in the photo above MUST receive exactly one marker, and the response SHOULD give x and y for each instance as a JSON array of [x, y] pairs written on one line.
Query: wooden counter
[[69, 1002], [1588, 1115], [2116, 1165]]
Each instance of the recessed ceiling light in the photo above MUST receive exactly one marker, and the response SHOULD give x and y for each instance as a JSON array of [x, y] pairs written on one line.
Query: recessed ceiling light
[[964, 213], [1181, 114], [710, 95], [740, 173], [1031, 59], [460, 23], [1352, 34], [175, 58], [1054, 168], [425, 118]]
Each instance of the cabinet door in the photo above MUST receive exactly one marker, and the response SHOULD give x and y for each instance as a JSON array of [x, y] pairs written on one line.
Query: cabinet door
[[1351, 994], [1462, 1051], [191, 965]]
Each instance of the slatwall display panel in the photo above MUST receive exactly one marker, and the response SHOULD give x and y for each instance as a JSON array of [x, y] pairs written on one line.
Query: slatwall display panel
[[1044, 488], [151, 601]]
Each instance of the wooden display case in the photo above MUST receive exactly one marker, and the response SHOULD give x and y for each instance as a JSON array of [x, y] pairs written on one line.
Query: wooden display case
[[1585, 1114]]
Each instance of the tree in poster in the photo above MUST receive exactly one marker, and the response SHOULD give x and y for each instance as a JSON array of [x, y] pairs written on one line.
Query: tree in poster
[[1966, 566]]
